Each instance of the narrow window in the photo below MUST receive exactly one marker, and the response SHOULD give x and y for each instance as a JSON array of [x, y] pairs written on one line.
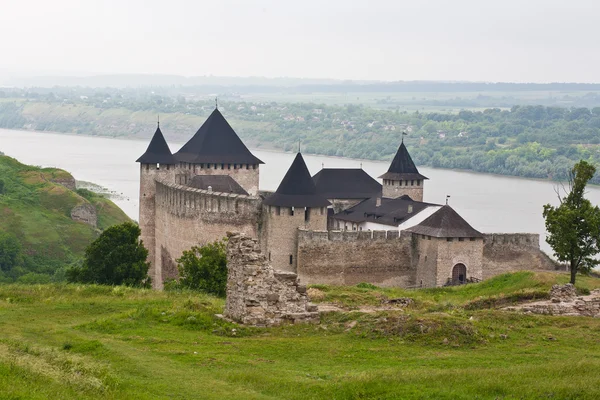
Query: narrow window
[[412, 183], [147, 167], [269, 256], [291, 259], [228, 166], [234, 166], [222, 166], [253, 166], [247, 166], [292, 211], [461, 239], [449, 239], [306, 214], [418, 182], [472, 239], [277, 210], [400, 183], [157, 165], [168, 167]]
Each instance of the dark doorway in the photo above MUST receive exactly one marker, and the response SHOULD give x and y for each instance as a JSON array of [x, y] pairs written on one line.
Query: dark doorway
[[459, 274]]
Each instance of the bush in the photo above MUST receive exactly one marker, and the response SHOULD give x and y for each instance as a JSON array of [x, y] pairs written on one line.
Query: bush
[[10, 252], [204, 268], [117, 257]]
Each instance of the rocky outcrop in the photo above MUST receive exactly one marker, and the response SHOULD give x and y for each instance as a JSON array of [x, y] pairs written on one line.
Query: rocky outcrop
[[258, 295], [85, 213], [564, 301], [69, 182]]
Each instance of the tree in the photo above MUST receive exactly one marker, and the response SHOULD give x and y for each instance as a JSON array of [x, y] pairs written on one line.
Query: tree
[[116, 257], [574, 226], [204, 268], [10, 252]]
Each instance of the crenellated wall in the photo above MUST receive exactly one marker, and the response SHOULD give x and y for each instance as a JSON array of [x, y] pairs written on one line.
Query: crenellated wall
[[186, 217], [510, 252], [383, 258]]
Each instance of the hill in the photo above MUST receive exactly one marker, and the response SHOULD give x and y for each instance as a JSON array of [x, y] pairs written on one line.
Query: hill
[[87, 342], [45, 223]]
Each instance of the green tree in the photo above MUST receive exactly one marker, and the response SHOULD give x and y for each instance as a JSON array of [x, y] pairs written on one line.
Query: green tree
[[10, 252], [117, 257], [574, 226], [204, 268]]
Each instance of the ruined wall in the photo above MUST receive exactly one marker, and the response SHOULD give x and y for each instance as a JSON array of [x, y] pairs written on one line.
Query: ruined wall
[[382, 258], [147, 219], [257, 294], [245, 174], [187, 217], [279, 238], [414, 192], [510, 252], [467, 252]]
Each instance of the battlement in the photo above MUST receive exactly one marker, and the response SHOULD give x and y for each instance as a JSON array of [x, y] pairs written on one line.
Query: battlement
[[518, 240], [306, 236], [185, 201]]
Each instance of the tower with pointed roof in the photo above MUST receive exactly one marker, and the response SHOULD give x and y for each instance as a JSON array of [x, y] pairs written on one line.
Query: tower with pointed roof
[[403, 177], [216, 149], [450, 250], [157, 163], [295, 204]]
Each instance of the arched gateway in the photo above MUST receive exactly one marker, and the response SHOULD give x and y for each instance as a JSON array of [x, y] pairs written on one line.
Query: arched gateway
[[459, 274]]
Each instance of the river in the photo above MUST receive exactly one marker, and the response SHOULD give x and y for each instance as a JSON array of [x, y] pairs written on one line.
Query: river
[[490, 203]]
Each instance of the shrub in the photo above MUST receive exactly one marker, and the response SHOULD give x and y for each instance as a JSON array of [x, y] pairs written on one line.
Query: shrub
[[204, 268], [117, 257], [10, 252]]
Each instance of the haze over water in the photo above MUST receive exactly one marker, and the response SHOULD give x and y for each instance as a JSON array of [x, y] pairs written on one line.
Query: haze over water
[[490, 203]]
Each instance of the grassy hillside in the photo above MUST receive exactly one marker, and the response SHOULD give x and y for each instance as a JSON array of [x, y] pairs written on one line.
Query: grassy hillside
[[91, 342], [36, 209]]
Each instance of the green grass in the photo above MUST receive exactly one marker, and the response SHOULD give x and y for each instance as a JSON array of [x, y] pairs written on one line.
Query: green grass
[[38, 212], [88, 342]]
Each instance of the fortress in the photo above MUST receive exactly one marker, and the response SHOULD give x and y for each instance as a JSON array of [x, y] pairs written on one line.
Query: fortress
[[340, 226]]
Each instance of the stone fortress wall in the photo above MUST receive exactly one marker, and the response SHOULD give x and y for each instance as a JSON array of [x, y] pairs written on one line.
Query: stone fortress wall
[[387, 258], [510, 252], [383, 258], [187, 217], [245, 174]]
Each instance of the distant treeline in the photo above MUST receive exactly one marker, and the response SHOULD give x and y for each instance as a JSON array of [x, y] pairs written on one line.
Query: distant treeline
[[529, 141]]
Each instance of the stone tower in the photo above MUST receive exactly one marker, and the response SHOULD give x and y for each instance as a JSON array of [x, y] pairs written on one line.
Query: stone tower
[[403, 177], [217, 150], [449, 250], [156, 163], [294, 205]]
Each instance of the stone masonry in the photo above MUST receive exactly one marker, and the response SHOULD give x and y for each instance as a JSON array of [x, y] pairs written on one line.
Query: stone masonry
[[564, 301], [258, 295]]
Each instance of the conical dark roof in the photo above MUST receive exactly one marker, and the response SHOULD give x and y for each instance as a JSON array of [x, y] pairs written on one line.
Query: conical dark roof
[[445, 223], [158, 151], [402, 166], [297, 188], [216, 142]]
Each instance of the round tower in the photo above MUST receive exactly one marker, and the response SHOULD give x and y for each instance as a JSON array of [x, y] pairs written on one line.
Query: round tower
[[294, 205], [157, 163], [403, 177]]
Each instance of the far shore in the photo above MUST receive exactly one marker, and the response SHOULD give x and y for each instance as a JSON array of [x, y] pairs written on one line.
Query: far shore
[[272, 149]]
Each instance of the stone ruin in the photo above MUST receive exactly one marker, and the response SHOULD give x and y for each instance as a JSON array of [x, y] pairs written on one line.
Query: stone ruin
[[563, 293], [564, 301], [258, 295]]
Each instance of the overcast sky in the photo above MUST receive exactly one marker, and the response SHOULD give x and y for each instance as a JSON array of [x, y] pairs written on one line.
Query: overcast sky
[[475, 40]]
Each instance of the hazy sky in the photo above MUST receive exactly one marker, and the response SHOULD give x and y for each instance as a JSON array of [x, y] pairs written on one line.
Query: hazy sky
[[477, 40]]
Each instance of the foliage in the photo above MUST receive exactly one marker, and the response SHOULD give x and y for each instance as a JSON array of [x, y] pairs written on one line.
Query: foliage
[[204, 268], [10, 252], [37, 212], [116, 257], [574, 226]]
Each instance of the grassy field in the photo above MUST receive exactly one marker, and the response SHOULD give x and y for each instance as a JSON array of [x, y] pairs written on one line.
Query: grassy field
[[77, 341]]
